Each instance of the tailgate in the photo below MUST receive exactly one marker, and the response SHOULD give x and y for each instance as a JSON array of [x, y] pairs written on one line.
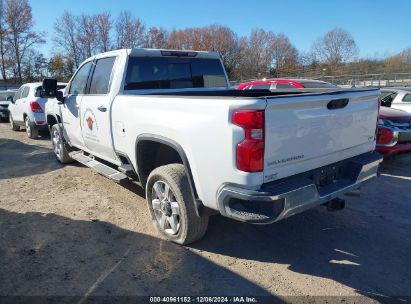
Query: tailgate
[[304, 132]]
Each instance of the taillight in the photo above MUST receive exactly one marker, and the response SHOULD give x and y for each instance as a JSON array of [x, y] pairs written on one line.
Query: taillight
[[385, 136], [378, 118], [250, 152], [35, 107]]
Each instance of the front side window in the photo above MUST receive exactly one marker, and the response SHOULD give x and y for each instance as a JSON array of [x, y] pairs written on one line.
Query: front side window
[[407, 98], [100, 82], [79, 82], [145, 73]]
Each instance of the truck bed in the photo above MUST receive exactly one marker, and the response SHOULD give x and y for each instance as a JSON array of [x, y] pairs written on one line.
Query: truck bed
[[247, 93]]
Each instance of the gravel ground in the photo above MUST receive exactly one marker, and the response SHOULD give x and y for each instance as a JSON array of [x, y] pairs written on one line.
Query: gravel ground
[[65, 230]]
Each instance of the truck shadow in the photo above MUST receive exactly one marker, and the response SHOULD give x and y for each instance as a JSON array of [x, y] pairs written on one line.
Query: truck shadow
[[18, 159], [365, 247], [48, 254], [397, 165]]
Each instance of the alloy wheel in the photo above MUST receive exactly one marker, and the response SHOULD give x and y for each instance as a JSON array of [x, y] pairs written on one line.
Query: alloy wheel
[[166, 208]]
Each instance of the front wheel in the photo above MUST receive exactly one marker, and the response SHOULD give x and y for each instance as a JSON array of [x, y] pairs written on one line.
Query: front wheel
[[59, 146], [171, 205], [31, 130]]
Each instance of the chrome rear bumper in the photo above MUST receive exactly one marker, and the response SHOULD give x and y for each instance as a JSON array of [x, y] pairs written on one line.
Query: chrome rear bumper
[[283, 198]]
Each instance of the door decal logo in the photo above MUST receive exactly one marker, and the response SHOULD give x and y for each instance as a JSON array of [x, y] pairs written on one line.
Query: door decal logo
[[90, 126], [90, 122]]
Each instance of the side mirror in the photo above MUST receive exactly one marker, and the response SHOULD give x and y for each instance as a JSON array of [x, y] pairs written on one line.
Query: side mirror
[[49, 87], [10, 98], [60, 97]]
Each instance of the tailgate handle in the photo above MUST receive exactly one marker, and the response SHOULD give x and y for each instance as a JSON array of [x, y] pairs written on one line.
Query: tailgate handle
[[337, 103]]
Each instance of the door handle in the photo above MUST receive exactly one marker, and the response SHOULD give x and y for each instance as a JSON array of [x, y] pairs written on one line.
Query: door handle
[[102, 108], [338, 103]]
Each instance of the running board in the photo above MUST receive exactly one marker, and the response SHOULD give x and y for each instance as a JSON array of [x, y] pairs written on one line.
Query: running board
[[101, 168]]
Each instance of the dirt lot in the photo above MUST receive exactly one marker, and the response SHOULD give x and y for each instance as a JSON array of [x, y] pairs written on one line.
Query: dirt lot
[[69, 231]]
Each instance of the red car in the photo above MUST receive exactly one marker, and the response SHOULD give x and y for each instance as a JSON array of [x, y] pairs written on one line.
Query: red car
[[394, 131], [279, 84]]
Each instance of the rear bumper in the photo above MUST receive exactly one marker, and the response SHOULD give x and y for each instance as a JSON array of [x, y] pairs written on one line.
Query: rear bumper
[[396, 149], [282, 198]]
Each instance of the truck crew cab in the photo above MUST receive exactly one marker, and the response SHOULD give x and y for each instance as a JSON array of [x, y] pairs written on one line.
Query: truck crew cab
[[197, 147]]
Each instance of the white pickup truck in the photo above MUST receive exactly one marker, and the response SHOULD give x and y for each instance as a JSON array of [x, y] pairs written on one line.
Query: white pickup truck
[[169, 119]]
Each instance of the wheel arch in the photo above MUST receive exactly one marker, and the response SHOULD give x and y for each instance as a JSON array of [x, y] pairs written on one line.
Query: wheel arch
[[146, 138], [52, 119]]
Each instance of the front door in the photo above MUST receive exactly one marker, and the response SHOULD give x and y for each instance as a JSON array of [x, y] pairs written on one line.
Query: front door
[[95, 111], [71, 107]]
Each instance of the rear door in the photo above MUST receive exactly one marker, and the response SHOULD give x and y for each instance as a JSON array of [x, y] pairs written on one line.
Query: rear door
[[95, 110], [305, 132]]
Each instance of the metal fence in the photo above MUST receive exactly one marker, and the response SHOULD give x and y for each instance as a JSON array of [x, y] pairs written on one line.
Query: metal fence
[[365, 80]]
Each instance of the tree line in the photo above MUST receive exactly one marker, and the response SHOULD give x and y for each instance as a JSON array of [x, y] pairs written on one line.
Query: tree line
[[262, 53]]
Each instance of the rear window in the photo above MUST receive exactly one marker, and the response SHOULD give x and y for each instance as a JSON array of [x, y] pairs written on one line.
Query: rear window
[[317, 85], [144, 73], [4, 96]]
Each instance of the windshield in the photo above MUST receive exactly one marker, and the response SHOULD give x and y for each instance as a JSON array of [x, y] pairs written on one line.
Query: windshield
[[145, 73], [317, 85]]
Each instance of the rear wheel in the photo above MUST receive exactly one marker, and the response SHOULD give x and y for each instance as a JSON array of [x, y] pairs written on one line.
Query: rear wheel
[[13, 125], [171, 205], [31, 130], [59, 146]]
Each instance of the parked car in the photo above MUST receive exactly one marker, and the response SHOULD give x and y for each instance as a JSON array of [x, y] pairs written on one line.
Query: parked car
[[394, 131], [397, 98], [169, 118], [283, 84], [5, 98], [27, 109]]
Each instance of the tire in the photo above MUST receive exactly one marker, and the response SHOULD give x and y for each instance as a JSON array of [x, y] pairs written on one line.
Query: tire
[[13, 125], [174, 215], [59, 145], [31, 130]]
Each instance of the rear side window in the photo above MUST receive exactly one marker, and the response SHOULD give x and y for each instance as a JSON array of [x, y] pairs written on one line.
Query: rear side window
[[407, 98], [100, 82], [79, 82], [261, 86], [144, 73], [284, 86], [25, 93]]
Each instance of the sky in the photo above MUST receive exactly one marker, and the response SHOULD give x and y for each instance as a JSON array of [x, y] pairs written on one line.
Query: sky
[[379, 27]]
